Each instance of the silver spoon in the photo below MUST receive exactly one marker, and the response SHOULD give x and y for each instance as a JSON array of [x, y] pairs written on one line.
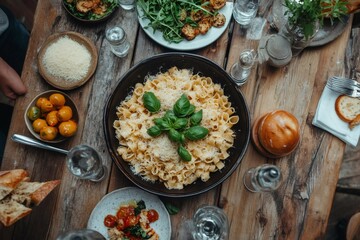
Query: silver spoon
[[29, 141]]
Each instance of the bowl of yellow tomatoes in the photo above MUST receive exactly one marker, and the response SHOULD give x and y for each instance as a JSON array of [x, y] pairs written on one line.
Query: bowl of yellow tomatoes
[[52, 117]]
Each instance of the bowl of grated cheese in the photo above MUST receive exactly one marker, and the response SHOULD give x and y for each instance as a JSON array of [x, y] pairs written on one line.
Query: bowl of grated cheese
[[152, 163], [67, 60]]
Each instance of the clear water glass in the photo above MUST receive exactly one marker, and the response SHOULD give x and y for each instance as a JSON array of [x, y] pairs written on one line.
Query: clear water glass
[[241, 70], [210, 223], [264, 178], [82, 234], [127, 4], [85, 163], [245, 11], [116, 36]]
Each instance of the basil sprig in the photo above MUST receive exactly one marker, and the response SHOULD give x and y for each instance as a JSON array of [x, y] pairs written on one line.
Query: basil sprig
[[181, 123], [151, 102]]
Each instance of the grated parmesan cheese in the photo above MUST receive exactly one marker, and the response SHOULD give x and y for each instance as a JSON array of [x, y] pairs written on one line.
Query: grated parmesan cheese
[[67, 59]]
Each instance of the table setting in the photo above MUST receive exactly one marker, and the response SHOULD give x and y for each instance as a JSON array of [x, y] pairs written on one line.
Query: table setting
[[174, 141]]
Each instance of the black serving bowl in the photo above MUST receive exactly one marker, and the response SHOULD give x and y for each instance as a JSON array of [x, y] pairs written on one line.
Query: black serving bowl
[[205, 67]]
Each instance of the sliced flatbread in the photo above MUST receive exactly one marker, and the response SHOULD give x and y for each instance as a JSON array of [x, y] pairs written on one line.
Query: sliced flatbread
[[10, 179], [12, 211]]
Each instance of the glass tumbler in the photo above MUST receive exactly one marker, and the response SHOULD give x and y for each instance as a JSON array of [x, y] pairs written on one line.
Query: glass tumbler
[[116, 36], [85, 163], [264, 178], [245, 11], [240, 70], [82, 234], [127, 4], [208, 223]]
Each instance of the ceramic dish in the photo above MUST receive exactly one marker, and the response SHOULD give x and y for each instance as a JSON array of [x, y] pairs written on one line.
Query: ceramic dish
[[88, 17], [62, 83], [199, 65], [327, 33], [111, 202], [199, 42], [68, 102]]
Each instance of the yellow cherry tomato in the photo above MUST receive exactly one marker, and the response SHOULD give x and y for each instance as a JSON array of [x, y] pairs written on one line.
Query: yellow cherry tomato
[[68, 128], [48, 133], [38, 124], [64, 114], [52, 119], [33, 113], [40, 101], [57, 99], [46, 106]]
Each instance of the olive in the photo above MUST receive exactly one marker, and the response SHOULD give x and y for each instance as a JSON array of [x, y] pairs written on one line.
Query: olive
[[33, 113]]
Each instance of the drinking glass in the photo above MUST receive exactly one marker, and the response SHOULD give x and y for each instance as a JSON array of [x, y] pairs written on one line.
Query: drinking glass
[[245, 11], [264, 178], [127, 4], [240, 70], [117, 38], [208, 223], [82, 234], [85, 163]]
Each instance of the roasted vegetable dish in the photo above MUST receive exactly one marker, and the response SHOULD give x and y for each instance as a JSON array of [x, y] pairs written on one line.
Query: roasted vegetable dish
[[90, 9], [182, 19]]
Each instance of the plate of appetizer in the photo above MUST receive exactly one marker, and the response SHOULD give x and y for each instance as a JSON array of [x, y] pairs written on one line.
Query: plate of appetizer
[[176, 125], [130, 212], [184, 25], [90, 10]]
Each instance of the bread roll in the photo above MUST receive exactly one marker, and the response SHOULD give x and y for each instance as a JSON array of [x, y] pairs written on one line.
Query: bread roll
[[276, 134]]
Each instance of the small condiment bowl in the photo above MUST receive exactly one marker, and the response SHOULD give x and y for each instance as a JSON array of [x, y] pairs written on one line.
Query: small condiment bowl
[[68, 102]]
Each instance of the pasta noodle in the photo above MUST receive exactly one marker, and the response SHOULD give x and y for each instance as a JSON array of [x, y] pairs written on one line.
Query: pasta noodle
[[156, 158]]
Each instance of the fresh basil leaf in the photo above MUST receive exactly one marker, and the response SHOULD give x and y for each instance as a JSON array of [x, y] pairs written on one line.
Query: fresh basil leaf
[[180, 123], [191, 110], [174, 135], [140, 205], [170, 116], [151, 102], [172, 210], [181, 107], [162, 124], [182, 139], [154, 131], [196, 118], [184, 154], [196, 133]]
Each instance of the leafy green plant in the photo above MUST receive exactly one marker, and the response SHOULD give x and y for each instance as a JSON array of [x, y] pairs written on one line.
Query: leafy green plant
[[71, 6], [306, 14], [181, 123]]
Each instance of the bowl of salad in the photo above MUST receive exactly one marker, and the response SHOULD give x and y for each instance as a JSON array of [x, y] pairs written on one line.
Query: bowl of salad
[[90, 10]]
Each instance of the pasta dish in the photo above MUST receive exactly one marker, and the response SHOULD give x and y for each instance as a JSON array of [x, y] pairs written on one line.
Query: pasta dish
[[157, 158]]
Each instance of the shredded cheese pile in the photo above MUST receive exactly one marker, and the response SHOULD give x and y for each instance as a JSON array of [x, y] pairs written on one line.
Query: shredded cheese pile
[[67, 59]]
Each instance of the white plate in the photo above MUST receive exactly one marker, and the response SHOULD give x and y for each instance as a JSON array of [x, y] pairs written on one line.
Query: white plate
[[199, 42], [111, 202]]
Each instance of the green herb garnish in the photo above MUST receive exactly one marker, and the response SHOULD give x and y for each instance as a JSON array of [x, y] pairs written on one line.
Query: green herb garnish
[[109, 6]]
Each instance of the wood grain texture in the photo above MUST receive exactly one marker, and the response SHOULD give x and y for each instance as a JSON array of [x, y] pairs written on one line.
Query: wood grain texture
[[299, 209]]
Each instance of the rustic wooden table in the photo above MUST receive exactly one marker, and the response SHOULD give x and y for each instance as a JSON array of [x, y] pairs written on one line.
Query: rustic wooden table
[[299, 209]]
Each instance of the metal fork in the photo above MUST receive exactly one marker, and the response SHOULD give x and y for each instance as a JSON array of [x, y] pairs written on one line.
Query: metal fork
[[354, 92], [341, 81]]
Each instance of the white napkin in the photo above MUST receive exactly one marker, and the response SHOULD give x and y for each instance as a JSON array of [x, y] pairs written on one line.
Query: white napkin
[[327, 119]]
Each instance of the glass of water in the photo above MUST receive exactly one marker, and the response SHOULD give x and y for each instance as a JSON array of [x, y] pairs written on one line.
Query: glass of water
[[264, 178], [85, 163], [127, 4], [208, 223], [245, 11], [241, 70], [117, 38]]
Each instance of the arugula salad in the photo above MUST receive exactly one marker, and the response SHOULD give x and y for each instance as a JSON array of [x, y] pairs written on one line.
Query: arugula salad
[[182, 19], [90, 9]]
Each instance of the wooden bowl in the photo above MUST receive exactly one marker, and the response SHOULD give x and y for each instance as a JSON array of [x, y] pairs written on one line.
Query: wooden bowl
[[68, 102], [57, 81]]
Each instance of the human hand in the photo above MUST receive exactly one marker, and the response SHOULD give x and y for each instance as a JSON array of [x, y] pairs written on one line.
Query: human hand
[[10, 83]]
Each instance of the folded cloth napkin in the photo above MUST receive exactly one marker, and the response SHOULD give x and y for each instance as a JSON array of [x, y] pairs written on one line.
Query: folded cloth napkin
[[327, 119]]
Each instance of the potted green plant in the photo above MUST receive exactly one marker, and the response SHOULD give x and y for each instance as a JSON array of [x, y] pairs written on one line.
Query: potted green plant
[[304, 17]]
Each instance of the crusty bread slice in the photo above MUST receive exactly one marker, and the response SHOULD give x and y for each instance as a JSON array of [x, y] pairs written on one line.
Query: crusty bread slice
[[355, 122], [10, 179], [12, 211], [347, 108], [43, 191]]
